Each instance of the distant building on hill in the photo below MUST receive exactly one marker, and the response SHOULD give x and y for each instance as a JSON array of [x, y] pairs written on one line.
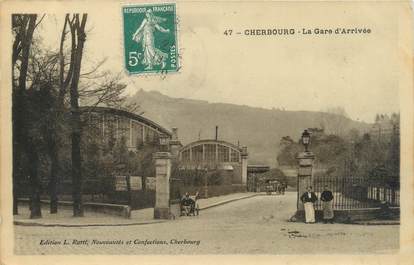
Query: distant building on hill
[[385, 126]]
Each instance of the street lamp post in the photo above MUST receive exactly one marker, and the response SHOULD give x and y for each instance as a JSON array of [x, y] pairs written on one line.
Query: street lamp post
[[304, 179], [306, 139]]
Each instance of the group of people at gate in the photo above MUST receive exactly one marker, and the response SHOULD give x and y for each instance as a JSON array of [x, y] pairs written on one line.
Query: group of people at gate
[[309, 198]]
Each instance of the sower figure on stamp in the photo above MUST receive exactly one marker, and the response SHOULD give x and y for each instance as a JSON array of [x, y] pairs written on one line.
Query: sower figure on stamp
[[327, 201], [145, 35], [309, 198]]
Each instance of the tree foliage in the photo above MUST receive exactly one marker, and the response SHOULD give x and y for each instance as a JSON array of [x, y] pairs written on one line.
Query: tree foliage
[[371, 156]]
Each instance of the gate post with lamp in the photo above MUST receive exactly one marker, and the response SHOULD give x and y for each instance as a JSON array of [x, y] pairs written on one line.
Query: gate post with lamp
[[304, 179]]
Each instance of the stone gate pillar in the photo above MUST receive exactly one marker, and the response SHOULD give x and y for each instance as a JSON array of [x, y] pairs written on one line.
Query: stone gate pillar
[[162, 185], [244, 159], [175, 144], [305, 179]]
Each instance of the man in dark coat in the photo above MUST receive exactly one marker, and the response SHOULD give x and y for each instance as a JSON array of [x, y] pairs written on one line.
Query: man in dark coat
[[308, 199]]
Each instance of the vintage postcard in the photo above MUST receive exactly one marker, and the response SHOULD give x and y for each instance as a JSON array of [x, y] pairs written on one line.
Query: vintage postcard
[[206, 132]]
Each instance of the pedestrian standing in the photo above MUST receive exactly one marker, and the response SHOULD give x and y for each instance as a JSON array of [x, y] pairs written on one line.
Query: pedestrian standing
[[283, 188], [196, 206], [308, 199], [327, 205]]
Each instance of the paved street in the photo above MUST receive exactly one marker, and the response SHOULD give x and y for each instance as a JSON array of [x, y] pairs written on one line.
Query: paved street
[[257, 225]]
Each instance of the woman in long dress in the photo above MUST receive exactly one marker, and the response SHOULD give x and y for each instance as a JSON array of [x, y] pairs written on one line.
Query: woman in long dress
[[145, 35], [327, 200], [309, 198]]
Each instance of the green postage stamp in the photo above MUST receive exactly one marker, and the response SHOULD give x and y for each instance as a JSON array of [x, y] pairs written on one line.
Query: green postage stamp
[[150, 38]]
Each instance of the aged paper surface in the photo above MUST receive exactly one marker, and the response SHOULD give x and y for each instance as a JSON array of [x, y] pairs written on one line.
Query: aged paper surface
[[241, 81]]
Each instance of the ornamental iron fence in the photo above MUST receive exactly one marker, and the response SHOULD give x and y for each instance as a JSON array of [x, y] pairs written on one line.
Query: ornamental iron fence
[[358, 192]]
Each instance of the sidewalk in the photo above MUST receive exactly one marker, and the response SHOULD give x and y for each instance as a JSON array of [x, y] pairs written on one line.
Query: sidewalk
[[64, 217], [377, 222]]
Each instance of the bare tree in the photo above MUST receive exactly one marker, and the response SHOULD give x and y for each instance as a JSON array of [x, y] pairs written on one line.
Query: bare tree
[[55, 75], [74, 25], [44, 77], [23, 28], [56, 118], [93, 86], [77, 30]]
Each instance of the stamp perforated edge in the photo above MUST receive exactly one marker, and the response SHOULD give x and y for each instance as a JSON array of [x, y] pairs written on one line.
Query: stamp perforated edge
[[177, 41]]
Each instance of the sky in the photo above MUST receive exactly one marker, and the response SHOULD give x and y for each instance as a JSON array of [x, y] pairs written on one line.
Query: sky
[[293, 72]]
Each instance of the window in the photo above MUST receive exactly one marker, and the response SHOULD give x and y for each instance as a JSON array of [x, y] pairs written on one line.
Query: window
[[94, 129], [223, 153], [210, 152], [110, 132], [197, 153], [123, 129], [185, 155], [150, 136], [136, 134], [235, 156]]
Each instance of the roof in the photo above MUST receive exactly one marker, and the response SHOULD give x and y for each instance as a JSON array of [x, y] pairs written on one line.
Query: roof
[[212, 141], [257, 168], [127, 114]]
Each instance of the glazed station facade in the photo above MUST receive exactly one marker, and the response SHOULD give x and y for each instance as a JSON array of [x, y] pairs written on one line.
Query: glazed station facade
[[216, 154], [136, 130]]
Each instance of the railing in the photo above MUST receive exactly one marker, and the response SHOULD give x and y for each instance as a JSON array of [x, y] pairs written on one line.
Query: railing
[[103, 190], [357, 192]]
